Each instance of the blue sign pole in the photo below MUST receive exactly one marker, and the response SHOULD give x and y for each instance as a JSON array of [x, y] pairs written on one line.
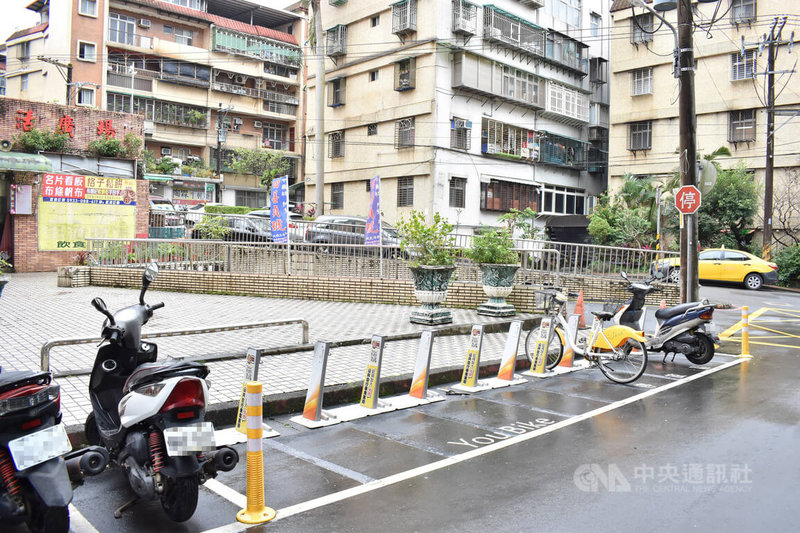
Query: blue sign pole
[[372, 231], [279, 210]]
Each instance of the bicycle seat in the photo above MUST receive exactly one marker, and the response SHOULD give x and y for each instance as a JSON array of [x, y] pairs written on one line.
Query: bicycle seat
[[603, 315]]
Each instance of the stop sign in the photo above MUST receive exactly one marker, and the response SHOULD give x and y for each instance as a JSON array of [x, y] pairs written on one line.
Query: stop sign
[[687, 199]]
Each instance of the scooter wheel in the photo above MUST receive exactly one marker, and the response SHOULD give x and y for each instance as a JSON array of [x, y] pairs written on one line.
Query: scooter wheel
[[45, 519], [705, 350]]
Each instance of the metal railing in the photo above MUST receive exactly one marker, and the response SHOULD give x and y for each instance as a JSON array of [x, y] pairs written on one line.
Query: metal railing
[[49, 345]]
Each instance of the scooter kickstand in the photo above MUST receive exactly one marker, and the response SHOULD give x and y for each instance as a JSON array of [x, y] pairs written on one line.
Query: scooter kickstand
[[125, 506]]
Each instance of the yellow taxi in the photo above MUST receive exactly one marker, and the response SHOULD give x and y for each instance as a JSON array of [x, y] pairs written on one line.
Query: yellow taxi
[[720, 264]]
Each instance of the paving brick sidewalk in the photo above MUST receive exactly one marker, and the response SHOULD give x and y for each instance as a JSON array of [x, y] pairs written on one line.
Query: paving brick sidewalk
[[34, 310]]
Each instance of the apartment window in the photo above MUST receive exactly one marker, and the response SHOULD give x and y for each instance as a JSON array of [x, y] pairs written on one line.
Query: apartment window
[[199, 5], [568, 11], [24, 51], [595, 22], [458, 192], [2, 86], [503, 196], [460, 133], [372, 129], [274, 135], [336, 144], [183, 36], [373, 75], [23, 83], [86, 96], [168, 29], [642, 81], [375, 21], [742, 126], [337, 195], [405, 74], [640, 135], [88, 8], [743, 11], [405, 192], [121, 28], [87, 51], [743, 67], [253, 199], [336, 90], [404, 133], [642, 28]]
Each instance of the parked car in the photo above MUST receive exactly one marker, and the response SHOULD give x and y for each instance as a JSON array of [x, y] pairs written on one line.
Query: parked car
[[244, 228], [163, 212], [721, 264], [342, 229], [296, 223]]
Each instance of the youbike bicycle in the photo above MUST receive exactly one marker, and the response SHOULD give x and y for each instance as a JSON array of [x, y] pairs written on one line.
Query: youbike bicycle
[[619, 351]]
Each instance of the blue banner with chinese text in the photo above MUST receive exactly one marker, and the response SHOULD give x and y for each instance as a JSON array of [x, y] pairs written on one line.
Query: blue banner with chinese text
[[279, 210], [372, 231]]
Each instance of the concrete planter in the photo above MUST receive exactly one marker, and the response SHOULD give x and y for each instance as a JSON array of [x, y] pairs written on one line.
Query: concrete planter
[[73, 276], [430, 288], [498, 282]]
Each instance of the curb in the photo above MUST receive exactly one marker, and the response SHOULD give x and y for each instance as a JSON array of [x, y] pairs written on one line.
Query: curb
[[224, 413]]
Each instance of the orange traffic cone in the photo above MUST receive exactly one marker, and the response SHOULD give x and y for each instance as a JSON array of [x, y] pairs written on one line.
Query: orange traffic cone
[[663, 304], [579, 310]]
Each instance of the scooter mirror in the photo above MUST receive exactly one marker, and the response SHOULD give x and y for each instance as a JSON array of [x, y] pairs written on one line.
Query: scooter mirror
[[624, 275], [659, 275], [151, 272], [100, 305]]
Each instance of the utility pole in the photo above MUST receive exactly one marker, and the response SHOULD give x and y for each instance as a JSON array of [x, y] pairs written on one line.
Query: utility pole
[[319, 97], [66, 66], [221, 137], [688, 148]]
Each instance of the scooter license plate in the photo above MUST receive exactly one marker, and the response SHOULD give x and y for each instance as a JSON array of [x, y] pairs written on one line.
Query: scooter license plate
[[35, 448], [186, 440]]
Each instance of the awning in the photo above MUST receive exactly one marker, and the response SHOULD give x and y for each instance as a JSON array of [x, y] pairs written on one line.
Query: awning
[[157, 177], [24, 162]]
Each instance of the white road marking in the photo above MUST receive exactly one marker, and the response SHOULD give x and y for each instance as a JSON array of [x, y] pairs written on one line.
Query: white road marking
[[292, 510], [78, 523], [226, 492]]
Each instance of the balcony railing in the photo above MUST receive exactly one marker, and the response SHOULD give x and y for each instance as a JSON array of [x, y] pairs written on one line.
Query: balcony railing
[[561, 151], [512, 31], [130, 39], [505, 82], [566, 105], [465, 17], [404, 17], [281, 109], [256, 47]]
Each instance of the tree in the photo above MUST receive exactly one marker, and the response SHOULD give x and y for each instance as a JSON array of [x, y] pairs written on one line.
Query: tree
[[786, 210], [728, 210], [524, 220], [266, 164]]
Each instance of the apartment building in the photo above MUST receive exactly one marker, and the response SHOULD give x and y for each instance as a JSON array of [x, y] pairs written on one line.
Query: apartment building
[[730, 94], [208, 76], [465, 108]]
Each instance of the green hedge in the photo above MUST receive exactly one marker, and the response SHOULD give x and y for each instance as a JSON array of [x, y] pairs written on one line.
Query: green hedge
[[228, 209]]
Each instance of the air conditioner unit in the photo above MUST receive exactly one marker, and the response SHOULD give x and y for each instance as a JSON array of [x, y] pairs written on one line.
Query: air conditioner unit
[[257, 124], [144, 23], [237, 121], [166, 150], [240, 78]]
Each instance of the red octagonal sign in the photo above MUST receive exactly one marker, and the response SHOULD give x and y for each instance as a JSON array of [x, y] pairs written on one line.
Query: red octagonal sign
[[687, 200]]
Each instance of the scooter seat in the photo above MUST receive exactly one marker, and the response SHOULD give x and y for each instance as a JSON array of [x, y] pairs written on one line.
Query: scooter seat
[[603, 315], [152, 372], [14, 379], [669, 312]]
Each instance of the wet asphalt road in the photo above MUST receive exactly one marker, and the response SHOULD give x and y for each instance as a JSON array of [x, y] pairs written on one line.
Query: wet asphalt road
[[703, 449]]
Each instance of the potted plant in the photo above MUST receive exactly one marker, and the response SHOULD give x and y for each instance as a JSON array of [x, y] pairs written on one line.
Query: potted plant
[[3, 279], [429, 249], [492, 250]]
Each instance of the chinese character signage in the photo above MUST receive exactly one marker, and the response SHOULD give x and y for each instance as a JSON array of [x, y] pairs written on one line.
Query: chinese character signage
[[279, 210], [372, 232], [75, 208]]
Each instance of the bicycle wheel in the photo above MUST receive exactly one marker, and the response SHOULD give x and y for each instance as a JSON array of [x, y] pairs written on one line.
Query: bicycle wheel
[[555, 348], [624, 364]]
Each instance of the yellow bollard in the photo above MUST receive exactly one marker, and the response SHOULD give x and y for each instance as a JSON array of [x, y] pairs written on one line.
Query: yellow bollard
[[745, 332], [256, 511]]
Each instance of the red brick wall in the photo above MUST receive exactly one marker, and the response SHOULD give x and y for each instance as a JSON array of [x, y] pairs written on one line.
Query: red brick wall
[[46, 116], [28, 258]]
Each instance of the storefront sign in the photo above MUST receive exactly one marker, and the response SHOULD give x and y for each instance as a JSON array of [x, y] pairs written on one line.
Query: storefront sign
[[21, 200]]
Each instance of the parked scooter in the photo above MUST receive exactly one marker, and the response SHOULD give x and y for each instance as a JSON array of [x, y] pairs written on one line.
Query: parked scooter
[[38, 470], [150, 415], [681, 329]]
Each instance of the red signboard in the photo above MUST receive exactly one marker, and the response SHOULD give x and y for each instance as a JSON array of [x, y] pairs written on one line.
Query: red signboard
[[687, 200]]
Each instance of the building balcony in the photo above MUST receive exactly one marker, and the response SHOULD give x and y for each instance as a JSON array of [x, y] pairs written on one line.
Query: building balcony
[[465, 17], [566, 105], [505, 83], [510, 31], [562, 151], [535, 4], [241, 44], [404, 17], [261, 94]]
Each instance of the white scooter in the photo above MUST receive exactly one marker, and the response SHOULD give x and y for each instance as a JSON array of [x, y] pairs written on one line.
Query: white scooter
[[150, 415]]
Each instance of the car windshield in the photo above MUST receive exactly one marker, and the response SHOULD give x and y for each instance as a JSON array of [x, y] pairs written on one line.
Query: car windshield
[[162, 204], [260, 224], [390, 231]]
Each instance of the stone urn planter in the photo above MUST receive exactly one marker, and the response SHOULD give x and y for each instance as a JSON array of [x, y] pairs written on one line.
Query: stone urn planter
[[498, 282], [430, 288]]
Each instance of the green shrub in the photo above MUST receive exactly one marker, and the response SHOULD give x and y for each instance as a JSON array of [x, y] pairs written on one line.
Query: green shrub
[[788, 261], [166, 165], [493, 245], [212, 227], [36, 140], [427, 244], [105, 147], [228, 209]]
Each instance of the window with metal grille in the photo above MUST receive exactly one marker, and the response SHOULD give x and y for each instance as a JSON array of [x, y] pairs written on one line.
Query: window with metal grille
[[405, 74], [458, 192], [640, 135], [336, 144], [743, 67], [503, 196], [642, 28], [404, 133], [742, 125], [743, 11], [372, 129], [460, 133], [642, 81], [337, 195], [253, 199], [336, 90], [405, 192]]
